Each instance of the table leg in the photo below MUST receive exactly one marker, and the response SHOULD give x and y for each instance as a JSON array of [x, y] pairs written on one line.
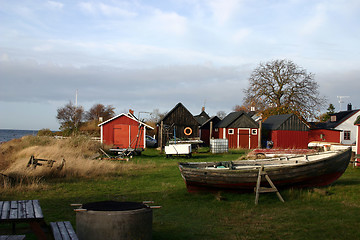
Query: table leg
[[39, 232], [13, 228]]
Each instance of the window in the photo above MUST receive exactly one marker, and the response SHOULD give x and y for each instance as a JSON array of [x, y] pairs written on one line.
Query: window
[[216, 129], [230, 131], [347, 135], [333, 119], [322, 137], [254, 131]]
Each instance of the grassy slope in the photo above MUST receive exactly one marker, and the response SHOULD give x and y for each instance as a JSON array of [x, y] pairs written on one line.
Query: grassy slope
[[304, 215]]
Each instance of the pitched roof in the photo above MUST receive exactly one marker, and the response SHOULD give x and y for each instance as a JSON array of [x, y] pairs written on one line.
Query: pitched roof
[[337, 118], [275, 121], [202, 118], [340, 118], [172, 110], [231, 117], [214, 119], [129, 115]]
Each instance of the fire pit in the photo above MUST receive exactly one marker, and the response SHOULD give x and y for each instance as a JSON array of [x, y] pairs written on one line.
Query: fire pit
[[114, 220]]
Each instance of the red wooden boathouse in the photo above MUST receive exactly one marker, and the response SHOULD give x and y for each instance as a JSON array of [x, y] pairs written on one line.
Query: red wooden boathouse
[[286, 131], [124, 131], [240, 130]]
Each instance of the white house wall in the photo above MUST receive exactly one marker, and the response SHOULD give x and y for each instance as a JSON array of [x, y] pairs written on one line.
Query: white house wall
[[348, 125]]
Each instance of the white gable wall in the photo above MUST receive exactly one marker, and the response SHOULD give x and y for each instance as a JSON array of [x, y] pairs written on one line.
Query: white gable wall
[[348, 125]]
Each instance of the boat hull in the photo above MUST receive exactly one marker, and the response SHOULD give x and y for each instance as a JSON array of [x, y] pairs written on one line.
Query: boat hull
[[312, 174]]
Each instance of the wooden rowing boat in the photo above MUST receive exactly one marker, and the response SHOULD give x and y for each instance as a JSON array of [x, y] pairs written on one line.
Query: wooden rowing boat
[[312, 170]]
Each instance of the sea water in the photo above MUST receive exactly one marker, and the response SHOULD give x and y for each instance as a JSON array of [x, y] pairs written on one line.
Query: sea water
[[9, 134]]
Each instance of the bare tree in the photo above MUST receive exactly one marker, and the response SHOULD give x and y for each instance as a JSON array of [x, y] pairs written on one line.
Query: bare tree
[[238, 108], [99, 110], [70, 117], [280, 86], [221, 114]]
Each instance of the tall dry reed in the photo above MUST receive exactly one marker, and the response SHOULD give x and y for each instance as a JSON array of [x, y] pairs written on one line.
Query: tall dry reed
[[78, 153]]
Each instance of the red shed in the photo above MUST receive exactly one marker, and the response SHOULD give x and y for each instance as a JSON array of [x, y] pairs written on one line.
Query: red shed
[[240, 130], [205, 130], [319, 134], [286, 131], [124, 131]]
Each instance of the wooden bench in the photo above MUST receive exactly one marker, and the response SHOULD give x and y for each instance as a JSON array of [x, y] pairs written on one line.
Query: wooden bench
[[63, 230], [23, 211], [12, 237]]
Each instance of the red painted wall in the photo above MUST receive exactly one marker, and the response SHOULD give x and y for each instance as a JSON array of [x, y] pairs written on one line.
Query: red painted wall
[[328, 135], [241, 135], [117, 133], [289, 139], [205, 136]]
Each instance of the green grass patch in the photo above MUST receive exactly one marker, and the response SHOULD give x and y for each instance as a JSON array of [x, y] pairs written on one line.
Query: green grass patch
[[329, 213]]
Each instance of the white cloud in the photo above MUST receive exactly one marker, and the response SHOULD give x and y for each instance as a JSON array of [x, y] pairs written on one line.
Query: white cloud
[[316, 21], [115, 11], [87, 7], [105, 9], [55, 5], [241, 34], [43, 48], [170, 22], [223, 10]]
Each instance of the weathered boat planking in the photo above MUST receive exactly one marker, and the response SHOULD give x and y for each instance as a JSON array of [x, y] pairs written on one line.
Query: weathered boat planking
[[312, 170]]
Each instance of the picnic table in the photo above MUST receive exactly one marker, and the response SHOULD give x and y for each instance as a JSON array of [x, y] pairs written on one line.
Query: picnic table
[[23, 211]]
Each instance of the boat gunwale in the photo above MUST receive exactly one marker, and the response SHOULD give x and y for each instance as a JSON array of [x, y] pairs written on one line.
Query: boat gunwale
[[249, 168]]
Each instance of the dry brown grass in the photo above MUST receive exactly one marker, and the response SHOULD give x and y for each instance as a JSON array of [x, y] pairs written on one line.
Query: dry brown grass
[[78, 153]]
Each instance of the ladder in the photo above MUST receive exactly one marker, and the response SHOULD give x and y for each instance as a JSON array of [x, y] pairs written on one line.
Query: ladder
[[259, 189]]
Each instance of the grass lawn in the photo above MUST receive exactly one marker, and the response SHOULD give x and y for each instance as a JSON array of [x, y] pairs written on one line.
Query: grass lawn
[[332, 213]]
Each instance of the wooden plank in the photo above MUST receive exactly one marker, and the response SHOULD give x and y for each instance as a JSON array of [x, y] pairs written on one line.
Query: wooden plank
[[55, 231], [5, 210], [63, 231], [12, 237], [29, 209], [71, 230], [1, 206], [21, 209], [258, 186], [37, 209], [13, 210], [267, 190]]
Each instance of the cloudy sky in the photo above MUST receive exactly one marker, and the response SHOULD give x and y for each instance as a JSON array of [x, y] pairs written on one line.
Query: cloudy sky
[[152, 54]]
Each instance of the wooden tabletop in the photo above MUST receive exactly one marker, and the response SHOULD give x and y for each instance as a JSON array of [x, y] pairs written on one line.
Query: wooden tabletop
[[22, 210], [12, 237]]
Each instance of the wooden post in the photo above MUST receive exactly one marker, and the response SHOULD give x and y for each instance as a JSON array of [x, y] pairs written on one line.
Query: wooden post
[[259, 134], [161, 135], [211, 127]]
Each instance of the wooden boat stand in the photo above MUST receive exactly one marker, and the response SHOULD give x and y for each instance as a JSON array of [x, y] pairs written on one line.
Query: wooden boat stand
[[259, 189]]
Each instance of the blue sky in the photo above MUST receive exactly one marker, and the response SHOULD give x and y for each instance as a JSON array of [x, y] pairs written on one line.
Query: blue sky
[[148, 55]]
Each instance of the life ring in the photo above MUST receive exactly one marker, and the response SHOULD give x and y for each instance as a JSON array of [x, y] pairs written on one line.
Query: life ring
[[187, 131]]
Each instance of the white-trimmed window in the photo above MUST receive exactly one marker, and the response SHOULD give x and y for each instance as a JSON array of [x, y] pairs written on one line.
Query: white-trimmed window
[[230, 131], [254, 131], [347, 135]]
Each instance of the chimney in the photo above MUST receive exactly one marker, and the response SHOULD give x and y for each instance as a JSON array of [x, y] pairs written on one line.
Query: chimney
[[349, 107], [131, 111], [203, 109]]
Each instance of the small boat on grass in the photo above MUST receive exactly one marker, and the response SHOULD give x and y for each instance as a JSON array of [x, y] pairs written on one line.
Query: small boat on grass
[[311, 170]]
